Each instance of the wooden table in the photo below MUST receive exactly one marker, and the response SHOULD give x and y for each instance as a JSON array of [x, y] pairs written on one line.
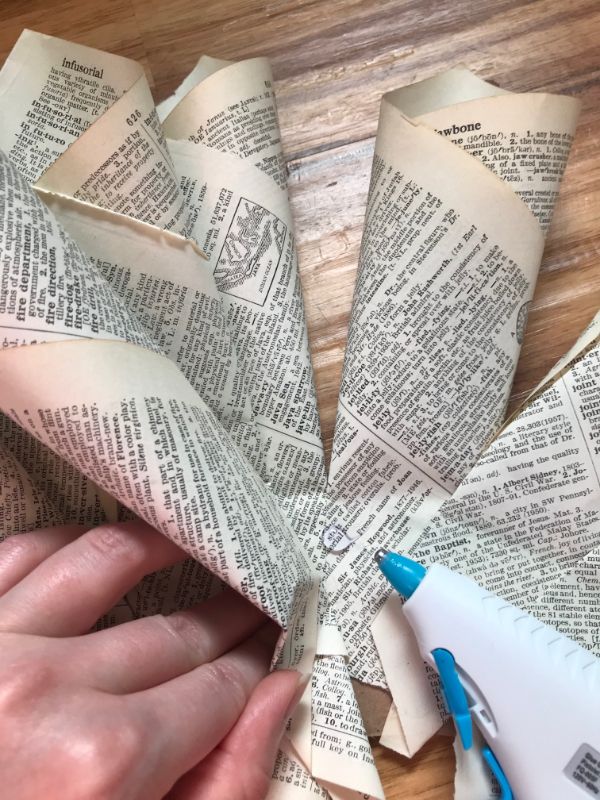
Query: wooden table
[[332, 61]]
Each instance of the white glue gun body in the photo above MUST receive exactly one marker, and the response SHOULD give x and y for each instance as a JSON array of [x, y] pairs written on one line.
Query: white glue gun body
[[533, 693]]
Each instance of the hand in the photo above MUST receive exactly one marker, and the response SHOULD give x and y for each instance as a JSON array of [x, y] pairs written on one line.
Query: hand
[[176, 707]]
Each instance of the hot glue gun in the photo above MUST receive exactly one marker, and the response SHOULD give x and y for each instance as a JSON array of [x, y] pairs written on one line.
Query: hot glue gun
[[533, 693]]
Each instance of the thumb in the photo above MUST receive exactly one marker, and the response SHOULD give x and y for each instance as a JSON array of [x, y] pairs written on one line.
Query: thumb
[[242, 765]]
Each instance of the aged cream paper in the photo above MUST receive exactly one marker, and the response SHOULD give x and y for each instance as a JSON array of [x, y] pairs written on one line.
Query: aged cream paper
[[156, 358], [51, 91], [416, 710]]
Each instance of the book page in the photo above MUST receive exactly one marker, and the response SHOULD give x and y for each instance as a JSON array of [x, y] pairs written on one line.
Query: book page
[[50, 292], [82, 123], [243, 223], [525, 139], [416, 711], [232, 109], [291, 781], [473, 779], [449, 261], [433, 345], [122, 163], [163, 282], [527, 513], [51, 91], [22, 506], [205, 66]]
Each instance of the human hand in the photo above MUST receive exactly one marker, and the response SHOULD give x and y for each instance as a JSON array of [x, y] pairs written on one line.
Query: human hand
[[173, 707]]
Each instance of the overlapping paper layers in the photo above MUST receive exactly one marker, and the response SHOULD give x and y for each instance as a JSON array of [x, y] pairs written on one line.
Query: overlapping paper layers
[[155, 359]]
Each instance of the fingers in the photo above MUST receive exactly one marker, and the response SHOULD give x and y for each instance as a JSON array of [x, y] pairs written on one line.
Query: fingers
[[21, 553], [193, 713], [71, 589], [242, 765], [149, 651]]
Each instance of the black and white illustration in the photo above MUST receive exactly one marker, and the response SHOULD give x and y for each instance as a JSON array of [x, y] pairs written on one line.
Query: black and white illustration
[[251, 252], [522, 320]]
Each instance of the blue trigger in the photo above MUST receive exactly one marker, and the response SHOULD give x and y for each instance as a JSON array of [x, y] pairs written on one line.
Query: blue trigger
[[454, 694], [492, 762]]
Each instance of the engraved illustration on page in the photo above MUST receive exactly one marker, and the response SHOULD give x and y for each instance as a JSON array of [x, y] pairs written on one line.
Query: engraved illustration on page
[[251, 253]]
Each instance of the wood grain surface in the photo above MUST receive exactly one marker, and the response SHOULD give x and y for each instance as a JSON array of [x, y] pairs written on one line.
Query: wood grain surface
[[332, 60]]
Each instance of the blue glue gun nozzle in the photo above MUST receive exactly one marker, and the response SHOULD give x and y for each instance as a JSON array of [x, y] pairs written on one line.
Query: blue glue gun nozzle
[[403, 573]]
